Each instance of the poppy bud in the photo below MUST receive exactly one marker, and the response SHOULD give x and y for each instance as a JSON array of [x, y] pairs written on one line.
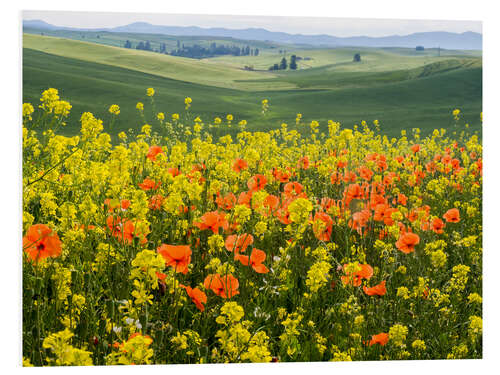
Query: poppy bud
[[95, 340], [275, 359], [162, 287]]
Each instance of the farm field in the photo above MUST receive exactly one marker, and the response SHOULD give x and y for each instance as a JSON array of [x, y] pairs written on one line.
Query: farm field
[[182, 210], [177, 246], [396, 89]]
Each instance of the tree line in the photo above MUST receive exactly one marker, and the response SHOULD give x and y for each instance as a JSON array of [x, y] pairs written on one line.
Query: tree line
[[283, 65], [196, 51]]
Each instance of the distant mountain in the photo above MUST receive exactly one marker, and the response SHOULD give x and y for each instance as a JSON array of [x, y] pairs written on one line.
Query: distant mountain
[[39, 24], [467, 40]]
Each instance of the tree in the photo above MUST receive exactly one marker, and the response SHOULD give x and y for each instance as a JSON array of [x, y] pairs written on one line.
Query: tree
[[357, 57], [128, 44], [293, 63], [148, 46], [140, 45], [256, 52], [419, 48], [178, 44], [283, 64]]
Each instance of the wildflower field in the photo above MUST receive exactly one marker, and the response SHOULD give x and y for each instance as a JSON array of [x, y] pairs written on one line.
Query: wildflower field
[[182, 244]]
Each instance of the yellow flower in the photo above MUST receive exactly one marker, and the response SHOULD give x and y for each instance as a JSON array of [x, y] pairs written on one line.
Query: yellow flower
[[28, 110], [114, 109], [418, 345], [150, 91], [397, 334]]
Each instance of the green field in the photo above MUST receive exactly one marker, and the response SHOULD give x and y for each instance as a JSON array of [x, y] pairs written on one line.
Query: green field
[[399, 87]]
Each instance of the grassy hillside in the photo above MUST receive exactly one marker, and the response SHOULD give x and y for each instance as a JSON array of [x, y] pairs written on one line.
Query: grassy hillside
[[399, 90], [425, 102], [179, 68], [372, 59], [117, 39]]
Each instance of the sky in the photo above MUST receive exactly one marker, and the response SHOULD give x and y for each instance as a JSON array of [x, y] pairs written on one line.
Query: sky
[[341, 27]]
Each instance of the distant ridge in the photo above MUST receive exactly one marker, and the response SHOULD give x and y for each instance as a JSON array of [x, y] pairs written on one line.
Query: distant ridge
[[467, 41]]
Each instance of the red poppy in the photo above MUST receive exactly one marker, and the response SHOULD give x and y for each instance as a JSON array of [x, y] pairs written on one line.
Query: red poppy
[[240, 165], [335, 178], [255, 261], [292, 189], [365, 173], [349, 176], [353, 191], [384, 213], [283, 215], [227, 202], [359, 220], [376, 199], [437, 225], [281, 176], [446, 159], [224, 286], [412, 216], [84, 227], [177, 257], [149, 184], [122, 230], [197, 296], [382, 163], [238, 243], [452, 215], [257, 182], [41, 242], [380, 210], [407, 242], [365, 271], [153, 152], [124, 204], [402, 199], [381, 339], [156, 202], [322, 226], [271, 203], [213, 220], [174, 171], [245, 198], [161, 276], [303, 163], [430, 167], [377, 290], [415, 148]]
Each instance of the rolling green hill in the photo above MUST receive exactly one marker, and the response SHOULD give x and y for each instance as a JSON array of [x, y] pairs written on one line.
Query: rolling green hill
[[399, 90], [174, 67], [117, 39]]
